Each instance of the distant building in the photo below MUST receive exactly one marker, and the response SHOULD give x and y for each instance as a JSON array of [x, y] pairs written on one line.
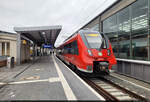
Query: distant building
[[8, 46]]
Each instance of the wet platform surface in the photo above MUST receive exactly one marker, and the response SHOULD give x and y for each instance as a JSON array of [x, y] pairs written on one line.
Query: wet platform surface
[[47, 79]]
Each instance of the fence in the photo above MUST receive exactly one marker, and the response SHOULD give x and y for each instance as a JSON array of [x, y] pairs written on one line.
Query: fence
[[3, 60], [136, 69]]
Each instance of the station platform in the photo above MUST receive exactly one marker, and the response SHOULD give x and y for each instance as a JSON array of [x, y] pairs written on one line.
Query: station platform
[[48, 79]]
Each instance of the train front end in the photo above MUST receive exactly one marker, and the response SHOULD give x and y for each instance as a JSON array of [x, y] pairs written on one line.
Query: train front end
[[99, 54]]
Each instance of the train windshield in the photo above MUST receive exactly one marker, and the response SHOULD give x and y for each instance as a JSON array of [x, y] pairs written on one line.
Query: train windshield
[[94, 40]]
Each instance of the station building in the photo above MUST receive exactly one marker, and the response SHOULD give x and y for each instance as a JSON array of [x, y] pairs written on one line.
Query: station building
[[8, 47], [6, 39], [127, 24]]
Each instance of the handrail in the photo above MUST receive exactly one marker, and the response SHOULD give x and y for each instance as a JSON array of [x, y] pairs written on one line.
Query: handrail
[[134, 61]]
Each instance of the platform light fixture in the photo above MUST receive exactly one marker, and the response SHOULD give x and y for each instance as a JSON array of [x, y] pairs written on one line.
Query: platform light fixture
[[43, 33]]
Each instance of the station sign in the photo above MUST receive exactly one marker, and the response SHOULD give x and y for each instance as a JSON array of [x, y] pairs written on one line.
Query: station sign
[[47, 46]]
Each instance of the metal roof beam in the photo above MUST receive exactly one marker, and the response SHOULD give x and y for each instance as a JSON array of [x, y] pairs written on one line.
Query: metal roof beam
[[29, 36]]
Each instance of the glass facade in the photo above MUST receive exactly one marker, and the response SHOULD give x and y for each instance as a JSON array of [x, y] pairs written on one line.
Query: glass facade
[[123, 19], [95, 27], [111, 30], [128, 31], [139, 35]]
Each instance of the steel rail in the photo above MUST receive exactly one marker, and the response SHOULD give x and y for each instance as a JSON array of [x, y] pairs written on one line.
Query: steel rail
[[130, 93], [101, 91]]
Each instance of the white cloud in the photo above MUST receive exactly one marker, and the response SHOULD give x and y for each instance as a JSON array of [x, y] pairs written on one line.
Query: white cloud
[[71, 14]]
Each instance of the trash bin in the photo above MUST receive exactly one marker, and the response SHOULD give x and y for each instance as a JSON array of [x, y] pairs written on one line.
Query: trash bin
[[10, 62]]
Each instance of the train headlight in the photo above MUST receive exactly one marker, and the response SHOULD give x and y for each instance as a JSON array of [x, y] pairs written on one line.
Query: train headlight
[[90, 53], [100, 54], [108, 52]]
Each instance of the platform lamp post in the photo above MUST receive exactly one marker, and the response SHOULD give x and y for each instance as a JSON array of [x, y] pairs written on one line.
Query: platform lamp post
[[0, 48], [34, 51], [18, 48]]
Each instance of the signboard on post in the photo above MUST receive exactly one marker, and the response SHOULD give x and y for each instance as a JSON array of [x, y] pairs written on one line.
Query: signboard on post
[[47, 46], [24, 42]]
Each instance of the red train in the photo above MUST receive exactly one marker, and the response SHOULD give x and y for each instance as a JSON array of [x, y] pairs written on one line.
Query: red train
[[88, 51]]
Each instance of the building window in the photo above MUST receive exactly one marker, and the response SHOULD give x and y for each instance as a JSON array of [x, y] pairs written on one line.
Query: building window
[[5, 49], [8, 49], [123, 18], [139, 33]]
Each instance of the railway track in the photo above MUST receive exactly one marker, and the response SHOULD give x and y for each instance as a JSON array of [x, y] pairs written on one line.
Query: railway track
[[111, 91]]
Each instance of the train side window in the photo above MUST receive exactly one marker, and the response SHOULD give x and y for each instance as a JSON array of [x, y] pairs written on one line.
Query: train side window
[[75, 47], [72, 48], [69, 48]]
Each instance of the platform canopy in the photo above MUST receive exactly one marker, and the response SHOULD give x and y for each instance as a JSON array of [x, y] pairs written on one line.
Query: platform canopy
[[41, 34]]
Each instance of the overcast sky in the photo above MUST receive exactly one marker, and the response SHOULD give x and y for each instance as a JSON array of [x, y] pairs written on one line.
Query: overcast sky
[[71, 14]]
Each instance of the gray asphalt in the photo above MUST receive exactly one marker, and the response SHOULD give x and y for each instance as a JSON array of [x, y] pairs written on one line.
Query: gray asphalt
[[42, 70]]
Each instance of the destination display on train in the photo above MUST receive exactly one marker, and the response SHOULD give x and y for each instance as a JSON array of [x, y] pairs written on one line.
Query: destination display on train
[[94, 35]]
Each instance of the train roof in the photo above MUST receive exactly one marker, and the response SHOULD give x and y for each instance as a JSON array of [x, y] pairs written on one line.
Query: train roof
[[86, 30], [82, 31]]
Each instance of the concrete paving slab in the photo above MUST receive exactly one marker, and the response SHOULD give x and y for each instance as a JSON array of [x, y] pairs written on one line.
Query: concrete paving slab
[[44, 68], [34, 91]]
